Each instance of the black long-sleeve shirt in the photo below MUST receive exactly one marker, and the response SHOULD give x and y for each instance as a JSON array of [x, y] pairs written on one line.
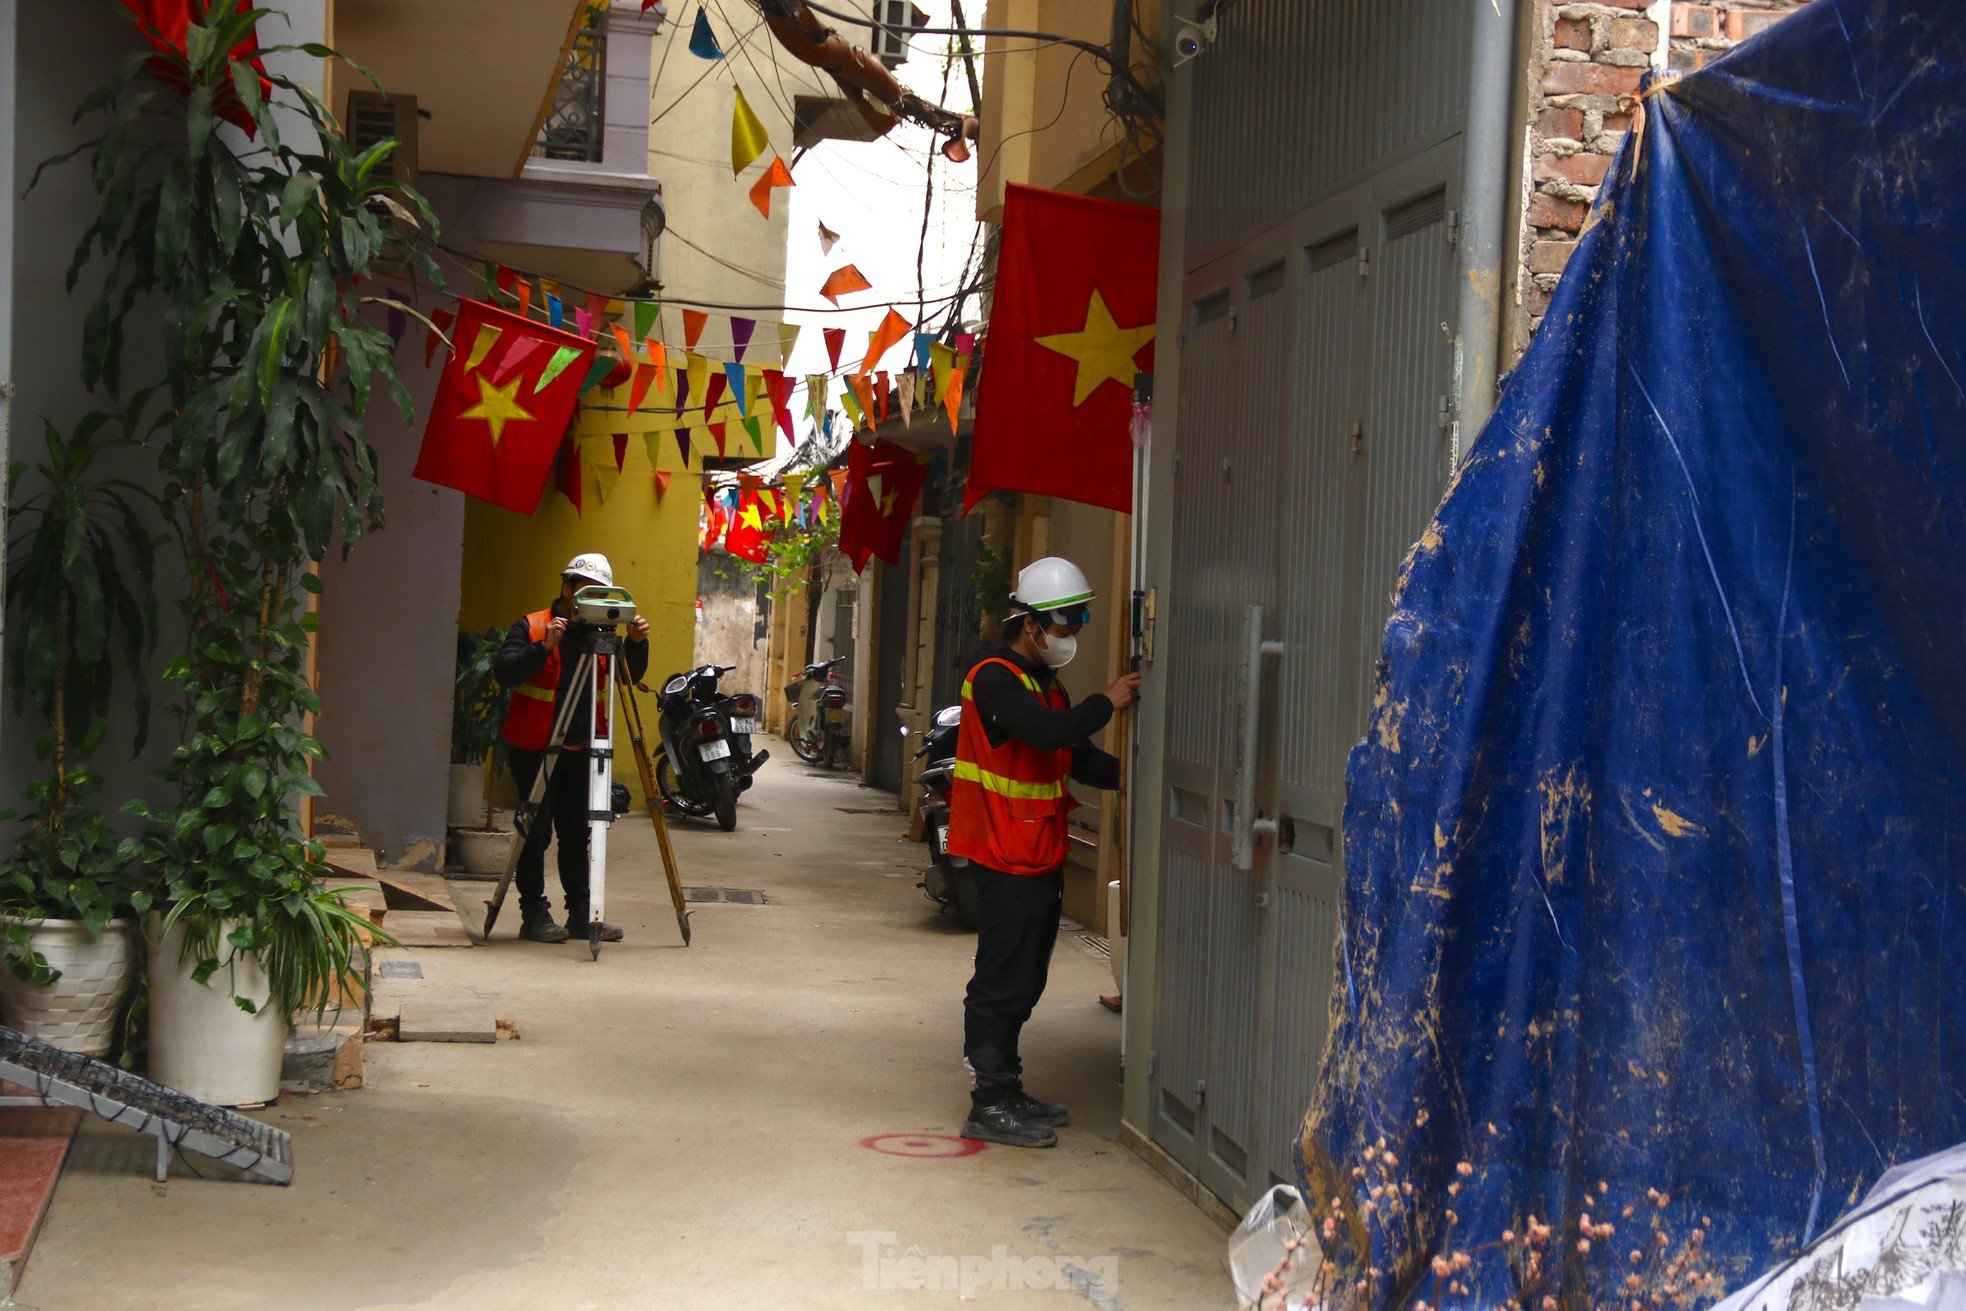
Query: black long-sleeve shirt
[[521, 657], [1010, 711]]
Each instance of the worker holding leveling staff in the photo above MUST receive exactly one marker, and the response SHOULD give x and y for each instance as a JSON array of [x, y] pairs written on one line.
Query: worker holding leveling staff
[[529, 663], [1021, 739]]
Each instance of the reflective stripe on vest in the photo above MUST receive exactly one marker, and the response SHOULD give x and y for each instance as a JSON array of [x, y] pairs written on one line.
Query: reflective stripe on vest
[[1008, 802], [971, 772], [529, 716]]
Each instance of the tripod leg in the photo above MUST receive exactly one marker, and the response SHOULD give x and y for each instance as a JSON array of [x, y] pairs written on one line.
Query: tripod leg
[[653, 800], [530, 805], [600, 802]]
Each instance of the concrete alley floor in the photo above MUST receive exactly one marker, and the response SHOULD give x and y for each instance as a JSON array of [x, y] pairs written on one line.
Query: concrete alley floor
[[683, 1128]]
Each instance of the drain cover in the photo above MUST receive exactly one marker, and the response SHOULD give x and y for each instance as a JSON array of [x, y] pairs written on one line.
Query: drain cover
[[398, 969], [734, 896]]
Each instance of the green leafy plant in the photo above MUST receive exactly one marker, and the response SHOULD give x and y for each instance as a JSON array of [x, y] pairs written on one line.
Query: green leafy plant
[[82, 602], [263, 255], [990, 581], [478, 702]]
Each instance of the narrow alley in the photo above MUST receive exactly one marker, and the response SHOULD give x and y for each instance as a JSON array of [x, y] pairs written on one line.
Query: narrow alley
[[760, 1119]]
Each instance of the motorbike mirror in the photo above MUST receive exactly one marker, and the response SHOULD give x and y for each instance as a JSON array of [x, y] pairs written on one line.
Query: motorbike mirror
[[904, 730]]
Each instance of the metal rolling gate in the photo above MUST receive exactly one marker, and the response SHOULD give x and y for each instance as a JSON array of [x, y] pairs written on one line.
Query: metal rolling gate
[[1313, 441]]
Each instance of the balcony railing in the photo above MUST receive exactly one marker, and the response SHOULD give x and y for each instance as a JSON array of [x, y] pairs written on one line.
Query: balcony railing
[[572, 130]]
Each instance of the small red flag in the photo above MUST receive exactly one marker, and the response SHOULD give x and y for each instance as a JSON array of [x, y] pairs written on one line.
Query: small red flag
[[748, 534], [1072, 324], [693, 321], [893, 328], [502, 407], [882, 481], [835, 338]]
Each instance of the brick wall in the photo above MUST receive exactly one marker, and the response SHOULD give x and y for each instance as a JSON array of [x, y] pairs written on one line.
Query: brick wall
[[1585, 65], [1702, 31]]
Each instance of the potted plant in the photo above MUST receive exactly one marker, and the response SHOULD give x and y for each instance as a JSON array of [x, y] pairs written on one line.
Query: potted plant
[[264, 253], [80, 594], [478, 706]]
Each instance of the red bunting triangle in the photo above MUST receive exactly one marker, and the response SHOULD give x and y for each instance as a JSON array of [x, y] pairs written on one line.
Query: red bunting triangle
[[645, 375], [775, 176], [844, 281], [719, 384], [893, 328], [717, 431], [881, 393], [662, 477], [835, 338], [566, 471], [693, 321], [620, 451], [779, 387]]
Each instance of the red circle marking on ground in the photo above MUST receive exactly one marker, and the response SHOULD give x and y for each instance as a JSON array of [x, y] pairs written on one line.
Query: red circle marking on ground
[[930, 1146]]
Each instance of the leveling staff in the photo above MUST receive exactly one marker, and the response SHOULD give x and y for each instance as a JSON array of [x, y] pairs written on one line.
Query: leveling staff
[[1021, 738], [529, 663]]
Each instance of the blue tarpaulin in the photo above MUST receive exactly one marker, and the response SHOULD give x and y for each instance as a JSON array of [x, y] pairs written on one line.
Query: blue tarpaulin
[[1652, 872]]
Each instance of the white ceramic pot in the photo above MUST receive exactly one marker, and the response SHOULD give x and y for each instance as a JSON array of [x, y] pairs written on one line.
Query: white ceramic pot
[[467, 796], [483, 851], [201, 1043], [77, 1012]]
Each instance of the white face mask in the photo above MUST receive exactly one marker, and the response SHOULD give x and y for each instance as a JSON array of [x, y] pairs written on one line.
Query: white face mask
[[1058, 651]]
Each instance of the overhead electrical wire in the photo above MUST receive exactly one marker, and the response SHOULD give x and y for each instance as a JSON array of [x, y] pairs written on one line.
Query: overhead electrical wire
[[475, 263]]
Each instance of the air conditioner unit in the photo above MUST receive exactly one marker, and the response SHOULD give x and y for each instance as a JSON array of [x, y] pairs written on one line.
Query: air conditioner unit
[[896, 20], [375, 116]]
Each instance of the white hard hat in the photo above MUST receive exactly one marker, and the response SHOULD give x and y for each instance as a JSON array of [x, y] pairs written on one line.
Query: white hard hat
[[593, 566], [1050, 584]]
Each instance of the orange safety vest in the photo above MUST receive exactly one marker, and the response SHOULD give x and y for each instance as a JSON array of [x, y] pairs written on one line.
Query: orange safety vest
[[1007, 804], [529, 719]]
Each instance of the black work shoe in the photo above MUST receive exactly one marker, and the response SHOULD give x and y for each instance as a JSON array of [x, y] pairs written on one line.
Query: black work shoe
[[542, 930], [1030, 1109], [578, 929], [1002, 1124]]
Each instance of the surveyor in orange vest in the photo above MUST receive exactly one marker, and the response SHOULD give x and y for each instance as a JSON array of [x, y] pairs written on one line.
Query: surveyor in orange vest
[[529, 663], [1021, 739]]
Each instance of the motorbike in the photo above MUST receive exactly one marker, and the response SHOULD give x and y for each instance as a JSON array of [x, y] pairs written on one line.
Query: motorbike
[[947, 881], [818, 732], [705, 760]]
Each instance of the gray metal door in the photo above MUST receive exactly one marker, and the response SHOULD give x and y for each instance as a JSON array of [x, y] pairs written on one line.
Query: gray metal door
[[1313, 446]]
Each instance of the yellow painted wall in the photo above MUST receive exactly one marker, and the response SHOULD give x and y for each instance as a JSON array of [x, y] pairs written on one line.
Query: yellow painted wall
[[512, 562]]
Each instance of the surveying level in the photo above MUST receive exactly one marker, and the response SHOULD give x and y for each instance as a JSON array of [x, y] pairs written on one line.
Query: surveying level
[[596, 640], [603, 607]]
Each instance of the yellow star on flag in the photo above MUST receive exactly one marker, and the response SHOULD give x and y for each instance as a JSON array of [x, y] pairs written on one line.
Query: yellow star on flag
[[498, 406], [750, 518], [1103, 350]]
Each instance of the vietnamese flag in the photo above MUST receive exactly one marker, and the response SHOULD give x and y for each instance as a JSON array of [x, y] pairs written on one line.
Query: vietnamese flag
[[502, 406], [749, 534], [166, 25], [882, 482], [1072, 324]]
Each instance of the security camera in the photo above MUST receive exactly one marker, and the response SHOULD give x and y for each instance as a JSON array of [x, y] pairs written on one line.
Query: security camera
[[1192, 37]]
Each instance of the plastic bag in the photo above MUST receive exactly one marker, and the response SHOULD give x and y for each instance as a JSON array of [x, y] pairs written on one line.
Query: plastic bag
[[1257, 1251]]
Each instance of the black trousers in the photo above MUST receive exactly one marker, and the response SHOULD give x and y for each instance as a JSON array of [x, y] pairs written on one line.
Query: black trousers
[[1016, 928], [565, 805]]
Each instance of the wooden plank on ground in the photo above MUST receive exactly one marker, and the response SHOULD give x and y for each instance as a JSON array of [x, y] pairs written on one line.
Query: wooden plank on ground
[[429, 928], [426, 889]]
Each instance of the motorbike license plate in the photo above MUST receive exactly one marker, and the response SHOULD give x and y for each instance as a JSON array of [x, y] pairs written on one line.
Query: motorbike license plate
[[835, 714], [743, 725], [716, 750], [942, 837]]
